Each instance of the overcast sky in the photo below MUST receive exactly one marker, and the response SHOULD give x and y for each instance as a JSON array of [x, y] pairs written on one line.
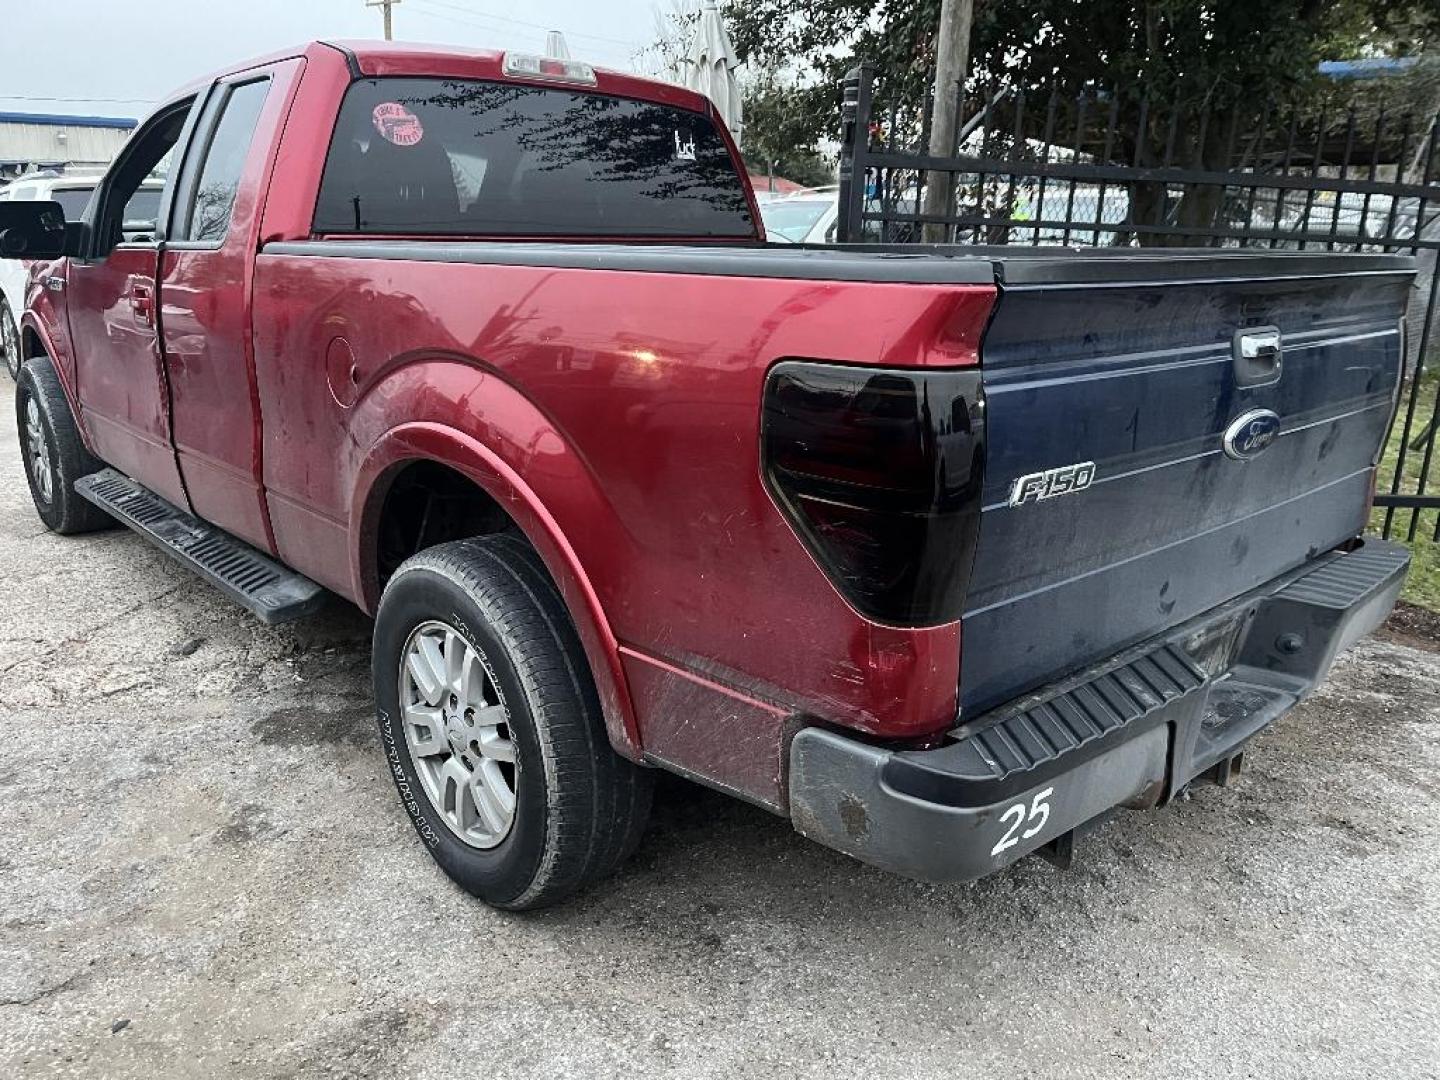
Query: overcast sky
[[94, 50]]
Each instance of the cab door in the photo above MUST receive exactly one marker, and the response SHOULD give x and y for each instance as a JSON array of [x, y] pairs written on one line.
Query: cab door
[[206, 268], [119, 373]]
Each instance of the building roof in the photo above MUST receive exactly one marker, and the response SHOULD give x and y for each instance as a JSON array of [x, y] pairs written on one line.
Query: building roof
[[125, 123], [1370, 68]]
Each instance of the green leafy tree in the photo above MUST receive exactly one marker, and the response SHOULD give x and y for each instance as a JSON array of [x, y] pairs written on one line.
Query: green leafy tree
[[1232, 59], [1225, 50], [778, 139]]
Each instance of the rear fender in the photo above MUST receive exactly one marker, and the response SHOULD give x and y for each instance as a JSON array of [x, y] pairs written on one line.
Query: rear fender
[[429, 441]]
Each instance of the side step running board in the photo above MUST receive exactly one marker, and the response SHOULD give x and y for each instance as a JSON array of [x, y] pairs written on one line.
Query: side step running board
[[274, 593]]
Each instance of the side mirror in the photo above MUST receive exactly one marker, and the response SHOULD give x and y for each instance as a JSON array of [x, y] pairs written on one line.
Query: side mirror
[[32, 230]]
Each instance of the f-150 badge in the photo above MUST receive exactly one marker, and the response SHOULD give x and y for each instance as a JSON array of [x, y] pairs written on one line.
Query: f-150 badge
[[1062, 480]]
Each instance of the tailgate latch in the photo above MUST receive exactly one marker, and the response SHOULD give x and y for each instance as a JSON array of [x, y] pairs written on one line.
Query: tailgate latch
[[1257, 353]]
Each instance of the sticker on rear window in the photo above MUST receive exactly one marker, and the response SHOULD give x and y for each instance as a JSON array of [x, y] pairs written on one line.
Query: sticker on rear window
[[684, 148], [397, 124]]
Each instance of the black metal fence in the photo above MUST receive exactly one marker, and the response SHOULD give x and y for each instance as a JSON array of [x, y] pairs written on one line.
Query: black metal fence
[[1103, 168]]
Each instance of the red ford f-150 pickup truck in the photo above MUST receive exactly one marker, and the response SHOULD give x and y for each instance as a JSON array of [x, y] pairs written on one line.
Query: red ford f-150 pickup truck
[[942, 553]]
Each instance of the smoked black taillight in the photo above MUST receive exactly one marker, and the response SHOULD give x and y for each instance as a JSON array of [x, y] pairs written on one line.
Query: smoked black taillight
[[879, 471]]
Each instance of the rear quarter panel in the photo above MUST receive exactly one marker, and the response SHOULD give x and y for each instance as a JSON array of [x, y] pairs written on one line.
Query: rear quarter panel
[[627, 406]]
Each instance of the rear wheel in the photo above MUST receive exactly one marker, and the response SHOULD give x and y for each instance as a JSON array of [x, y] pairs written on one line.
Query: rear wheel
[[54, 455], [9, 340], [493, 730]]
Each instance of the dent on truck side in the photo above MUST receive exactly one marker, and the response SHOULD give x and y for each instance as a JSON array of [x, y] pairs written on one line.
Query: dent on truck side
[[453, 411]]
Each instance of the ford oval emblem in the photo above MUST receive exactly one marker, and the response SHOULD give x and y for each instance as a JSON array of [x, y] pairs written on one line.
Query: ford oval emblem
[[1250, 433]]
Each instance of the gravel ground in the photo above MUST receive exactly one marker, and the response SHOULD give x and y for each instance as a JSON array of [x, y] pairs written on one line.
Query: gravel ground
[[205, 872]]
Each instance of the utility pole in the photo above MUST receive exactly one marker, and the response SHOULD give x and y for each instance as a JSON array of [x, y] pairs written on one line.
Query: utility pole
[[952, 54], [386, 5]]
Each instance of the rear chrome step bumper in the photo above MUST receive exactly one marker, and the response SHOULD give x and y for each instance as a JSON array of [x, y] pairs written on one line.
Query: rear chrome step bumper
[[1130, 731]]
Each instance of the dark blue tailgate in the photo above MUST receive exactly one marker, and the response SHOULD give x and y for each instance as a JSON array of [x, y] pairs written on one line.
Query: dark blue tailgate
[[1139, 377]]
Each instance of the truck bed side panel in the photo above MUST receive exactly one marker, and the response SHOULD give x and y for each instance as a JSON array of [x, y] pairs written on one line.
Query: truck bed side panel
[[629, 401]]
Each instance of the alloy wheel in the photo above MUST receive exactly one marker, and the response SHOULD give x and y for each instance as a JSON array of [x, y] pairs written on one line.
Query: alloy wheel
[[457, 730], [41, 468]]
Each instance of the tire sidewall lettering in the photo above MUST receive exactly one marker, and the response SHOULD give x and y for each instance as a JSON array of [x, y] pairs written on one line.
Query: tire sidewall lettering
[[408, 796]]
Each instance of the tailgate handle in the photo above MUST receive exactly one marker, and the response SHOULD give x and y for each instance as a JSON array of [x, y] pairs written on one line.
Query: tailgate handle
[[1257, 352]]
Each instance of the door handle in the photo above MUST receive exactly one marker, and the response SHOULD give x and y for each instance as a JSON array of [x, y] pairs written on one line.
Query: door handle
[[142, 304]]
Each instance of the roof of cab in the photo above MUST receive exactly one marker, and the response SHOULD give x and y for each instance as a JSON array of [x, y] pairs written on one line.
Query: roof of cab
[[381, 58]]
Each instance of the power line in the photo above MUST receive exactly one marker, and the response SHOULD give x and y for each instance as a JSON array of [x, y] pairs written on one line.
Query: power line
[[626, 46], [531, 25], [603, 50]]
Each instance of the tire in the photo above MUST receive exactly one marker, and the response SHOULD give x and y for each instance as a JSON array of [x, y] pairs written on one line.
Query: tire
[[578, 808], [49, 437], [9, 340]]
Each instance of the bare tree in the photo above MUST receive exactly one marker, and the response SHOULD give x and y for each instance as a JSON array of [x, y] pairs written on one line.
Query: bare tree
[[674, 27]]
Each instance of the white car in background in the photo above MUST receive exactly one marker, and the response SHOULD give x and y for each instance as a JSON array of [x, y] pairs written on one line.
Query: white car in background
[[72, 191], [806, 218], [810, 217]]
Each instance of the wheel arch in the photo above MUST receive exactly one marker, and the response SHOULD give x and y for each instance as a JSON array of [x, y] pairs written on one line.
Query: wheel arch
[[420, 443], [36, 340], [33, 341]]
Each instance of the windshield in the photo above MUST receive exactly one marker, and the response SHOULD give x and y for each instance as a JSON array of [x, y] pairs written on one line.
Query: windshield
[[793, 218]]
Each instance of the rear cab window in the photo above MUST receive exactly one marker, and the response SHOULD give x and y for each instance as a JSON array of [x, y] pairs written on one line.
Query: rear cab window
[[430, 156]]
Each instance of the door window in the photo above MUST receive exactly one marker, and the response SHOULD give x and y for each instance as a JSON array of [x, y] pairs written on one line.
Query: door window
[[142, 211], [145, 164], [224, 161]]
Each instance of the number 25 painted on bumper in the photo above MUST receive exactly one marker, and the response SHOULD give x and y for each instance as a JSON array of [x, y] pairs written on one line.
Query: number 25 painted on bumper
[[1018, 815]]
